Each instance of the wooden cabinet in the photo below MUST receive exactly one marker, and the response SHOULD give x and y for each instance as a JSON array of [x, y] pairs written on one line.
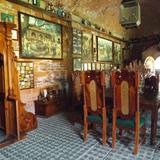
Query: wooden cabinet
[[47, 108]]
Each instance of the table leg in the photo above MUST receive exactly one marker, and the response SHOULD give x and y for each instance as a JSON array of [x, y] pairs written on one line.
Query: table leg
[[154, 118]]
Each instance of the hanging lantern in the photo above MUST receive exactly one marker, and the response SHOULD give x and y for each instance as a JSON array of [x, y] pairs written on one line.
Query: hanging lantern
[[130, 13]]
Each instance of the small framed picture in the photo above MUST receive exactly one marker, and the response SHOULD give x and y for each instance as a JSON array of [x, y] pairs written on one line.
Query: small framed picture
[[77, 64], [85, 66], [36, 2], [7, 18], [89, 66], [14, 34], [102, 66], [93, 66], [117, 53], [98, 66]]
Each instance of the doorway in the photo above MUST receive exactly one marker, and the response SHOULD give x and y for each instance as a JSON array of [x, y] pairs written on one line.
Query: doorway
[[2, 97]]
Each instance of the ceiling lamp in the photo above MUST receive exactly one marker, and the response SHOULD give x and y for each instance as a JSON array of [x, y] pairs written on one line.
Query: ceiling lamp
[[130, 13]]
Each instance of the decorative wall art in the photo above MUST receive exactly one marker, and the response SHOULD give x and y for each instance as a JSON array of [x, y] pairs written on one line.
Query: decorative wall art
[[104, 49], [77, 41], [47, 73], [14, 34], [26, 74], [108, 66], [77, 64], [93, 66], [36, 2], [117, 53], [89, 66], [102, 66], [87, 47], [15, 45], [85, 66], [7, 18], [98, 66], [39, 38]]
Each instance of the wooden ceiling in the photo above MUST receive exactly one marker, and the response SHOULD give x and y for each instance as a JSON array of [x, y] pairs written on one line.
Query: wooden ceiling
[[105, 13]]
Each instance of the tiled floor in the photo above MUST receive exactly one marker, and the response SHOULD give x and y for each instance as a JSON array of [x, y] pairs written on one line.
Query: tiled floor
[[57, 139]]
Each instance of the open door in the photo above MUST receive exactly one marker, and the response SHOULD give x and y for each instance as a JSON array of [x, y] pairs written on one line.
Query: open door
[[2, 110]]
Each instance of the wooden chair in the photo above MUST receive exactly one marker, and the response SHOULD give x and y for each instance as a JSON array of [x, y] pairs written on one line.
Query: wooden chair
[[93, 84], [126, 113]]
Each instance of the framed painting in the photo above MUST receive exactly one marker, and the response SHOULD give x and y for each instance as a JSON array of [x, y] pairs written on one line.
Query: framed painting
[[36, 3], [98, 66], [77, 41], [85, 66], [93, 66], [89, 66], [104, 49], [14, 34], [87, 47], [26, 74], [108, 66], [77, 64], [117, 53], [102, 66], [39, 38]]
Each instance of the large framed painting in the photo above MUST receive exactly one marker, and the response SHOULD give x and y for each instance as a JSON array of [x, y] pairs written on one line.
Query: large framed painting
[[87, 46], [77, 41], [117, 53], [39, 38], [104, 49]]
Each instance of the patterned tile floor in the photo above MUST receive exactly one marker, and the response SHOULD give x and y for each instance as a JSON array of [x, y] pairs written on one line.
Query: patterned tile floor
[[57, 139]]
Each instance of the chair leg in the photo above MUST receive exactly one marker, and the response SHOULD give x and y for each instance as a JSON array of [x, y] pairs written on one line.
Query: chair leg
[[114, 129], [85, 124], [136, 147], [120, 133], [85, 130], [94, 126], [144, 134], [104, 126]]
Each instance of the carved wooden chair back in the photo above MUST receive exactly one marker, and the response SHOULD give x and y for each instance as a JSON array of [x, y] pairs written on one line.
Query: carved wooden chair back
[[94, 90], [126, 93]]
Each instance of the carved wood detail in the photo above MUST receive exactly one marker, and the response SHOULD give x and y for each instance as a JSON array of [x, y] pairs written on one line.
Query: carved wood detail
[[14, 120]]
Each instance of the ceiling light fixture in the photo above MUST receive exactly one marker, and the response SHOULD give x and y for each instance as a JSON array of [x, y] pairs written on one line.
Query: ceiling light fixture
[[130, 15]]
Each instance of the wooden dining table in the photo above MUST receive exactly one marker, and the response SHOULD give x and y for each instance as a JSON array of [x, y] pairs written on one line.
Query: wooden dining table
[[151, 102]]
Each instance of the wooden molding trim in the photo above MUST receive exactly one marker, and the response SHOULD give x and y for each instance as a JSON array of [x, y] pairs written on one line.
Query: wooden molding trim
[[41, 10]]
